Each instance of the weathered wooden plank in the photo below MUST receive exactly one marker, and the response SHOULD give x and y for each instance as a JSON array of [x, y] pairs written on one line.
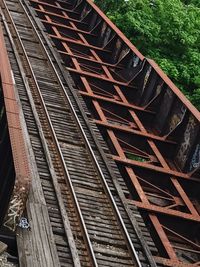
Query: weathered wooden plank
[[37, 244]]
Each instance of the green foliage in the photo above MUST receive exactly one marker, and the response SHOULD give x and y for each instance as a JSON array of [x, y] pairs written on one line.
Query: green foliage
[[134, 157], [167, 31], [192, 2]]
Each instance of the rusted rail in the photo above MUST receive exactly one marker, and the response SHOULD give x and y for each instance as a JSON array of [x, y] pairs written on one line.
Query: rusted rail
[[151, 129], [15, 174], [15, 169]]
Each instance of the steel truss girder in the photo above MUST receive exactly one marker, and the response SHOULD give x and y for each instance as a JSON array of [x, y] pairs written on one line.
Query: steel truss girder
[[150, 144]]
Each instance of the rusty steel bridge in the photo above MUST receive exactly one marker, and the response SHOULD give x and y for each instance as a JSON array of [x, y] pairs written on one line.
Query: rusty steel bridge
[[100, 151]]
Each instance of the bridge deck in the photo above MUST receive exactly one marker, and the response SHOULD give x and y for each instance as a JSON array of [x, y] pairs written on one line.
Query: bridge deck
[[115, 144]]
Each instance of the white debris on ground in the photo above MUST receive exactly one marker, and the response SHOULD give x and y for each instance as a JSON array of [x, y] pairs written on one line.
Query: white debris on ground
[[3, 256]]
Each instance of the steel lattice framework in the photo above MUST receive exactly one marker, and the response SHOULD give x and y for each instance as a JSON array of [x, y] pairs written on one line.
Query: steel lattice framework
[[150, 127]]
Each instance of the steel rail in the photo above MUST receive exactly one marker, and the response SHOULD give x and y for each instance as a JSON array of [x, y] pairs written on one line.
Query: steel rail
[[92, 154], [115, 208], [91, 151], [134, 253], [58, 193], [94, 262]]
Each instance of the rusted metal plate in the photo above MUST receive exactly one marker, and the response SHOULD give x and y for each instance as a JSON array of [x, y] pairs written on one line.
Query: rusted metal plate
[[19, 150]]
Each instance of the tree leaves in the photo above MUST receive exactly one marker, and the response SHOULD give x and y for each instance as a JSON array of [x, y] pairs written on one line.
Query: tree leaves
[[167, 31]]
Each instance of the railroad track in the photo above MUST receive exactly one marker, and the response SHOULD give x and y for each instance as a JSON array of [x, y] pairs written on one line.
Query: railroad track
[[89, 223]]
